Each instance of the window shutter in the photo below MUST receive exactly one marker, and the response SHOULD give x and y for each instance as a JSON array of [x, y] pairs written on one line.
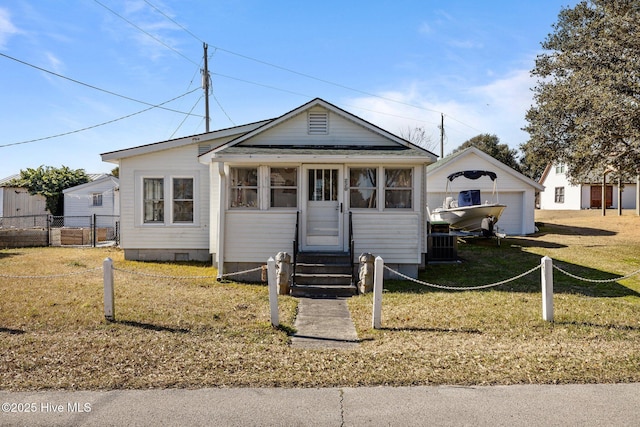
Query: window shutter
[[318, 123]]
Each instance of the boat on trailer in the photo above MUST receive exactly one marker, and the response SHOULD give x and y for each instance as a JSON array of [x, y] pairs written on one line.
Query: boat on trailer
[[467, 212]]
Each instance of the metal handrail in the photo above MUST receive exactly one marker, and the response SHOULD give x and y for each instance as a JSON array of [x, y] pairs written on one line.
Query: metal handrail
[[296, 247], [351, 248]]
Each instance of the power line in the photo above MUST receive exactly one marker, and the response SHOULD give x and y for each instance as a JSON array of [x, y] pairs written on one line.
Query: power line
[[147, 33], [90, 86], [309, 76], [97, 125], [174, 21], [185, 117]]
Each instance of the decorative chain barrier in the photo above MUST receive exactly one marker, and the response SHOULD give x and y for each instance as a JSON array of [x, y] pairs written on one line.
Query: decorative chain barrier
[[50, 276], [161, 276], [584, 279], [237, 273], [468, 288], [139, 273]]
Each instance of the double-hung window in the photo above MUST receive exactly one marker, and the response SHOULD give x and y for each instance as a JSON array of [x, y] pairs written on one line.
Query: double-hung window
[[96, 199], [398, 188], [559, 195], [362, 188], [244, 187], [183, 200], [284, 187], [169, 199], [153, 195]]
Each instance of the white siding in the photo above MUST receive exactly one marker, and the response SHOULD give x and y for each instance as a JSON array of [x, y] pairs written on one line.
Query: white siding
[[512, 189], [341, 132], [180, 161], [254, 236], [628, 196], [16, 201], [396, 237], [78, 201], [574, 197]]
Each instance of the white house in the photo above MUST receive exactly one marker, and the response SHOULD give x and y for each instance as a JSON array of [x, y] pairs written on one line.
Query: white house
[[239, 195], [559, 194], [514, 189], [96, 197]]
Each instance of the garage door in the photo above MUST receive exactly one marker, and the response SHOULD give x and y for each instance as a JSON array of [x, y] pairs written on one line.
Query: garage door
[[511, 219]]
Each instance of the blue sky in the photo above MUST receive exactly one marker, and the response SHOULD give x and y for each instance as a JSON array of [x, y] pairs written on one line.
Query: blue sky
[[399, 64]]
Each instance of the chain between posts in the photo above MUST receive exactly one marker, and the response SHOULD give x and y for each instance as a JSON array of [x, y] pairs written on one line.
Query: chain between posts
[[584, 279], [468, 288]]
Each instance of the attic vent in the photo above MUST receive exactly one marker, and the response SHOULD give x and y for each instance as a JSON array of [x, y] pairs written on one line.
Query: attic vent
[[203, 148], [318, 123]]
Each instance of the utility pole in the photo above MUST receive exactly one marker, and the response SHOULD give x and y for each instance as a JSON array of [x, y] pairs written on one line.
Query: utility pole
[[205, 86], [441, 136]]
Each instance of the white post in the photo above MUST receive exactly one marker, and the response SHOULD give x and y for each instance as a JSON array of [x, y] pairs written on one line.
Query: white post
[[377, 292], [109, 303], [273, 290], [547, 289]]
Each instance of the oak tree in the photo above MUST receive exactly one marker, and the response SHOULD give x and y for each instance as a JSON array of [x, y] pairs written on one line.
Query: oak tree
[[586, 111]]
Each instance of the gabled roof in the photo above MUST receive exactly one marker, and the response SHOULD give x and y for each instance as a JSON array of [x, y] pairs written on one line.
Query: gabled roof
[[450, 159], [95, 179], [92, 177], [7, 180], [232, 148], [113, 156]]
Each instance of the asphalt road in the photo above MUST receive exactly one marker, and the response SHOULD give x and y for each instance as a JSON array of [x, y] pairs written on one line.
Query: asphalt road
[[521, 405]]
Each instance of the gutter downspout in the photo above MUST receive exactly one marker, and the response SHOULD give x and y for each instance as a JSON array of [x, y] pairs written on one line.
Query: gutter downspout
[[222, 191]]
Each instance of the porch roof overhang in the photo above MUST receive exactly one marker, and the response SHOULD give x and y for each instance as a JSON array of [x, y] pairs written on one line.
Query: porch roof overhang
[[240, 154]]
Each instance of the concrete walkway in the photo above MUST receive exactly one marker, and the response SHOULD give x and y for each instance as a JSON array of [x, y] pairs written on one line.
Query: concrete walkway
[[324, 323], [524, 405]]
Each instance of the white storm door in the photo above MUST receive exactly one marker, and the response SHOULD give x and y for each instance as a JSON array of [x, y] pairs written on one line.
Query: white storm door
[[323, 217]]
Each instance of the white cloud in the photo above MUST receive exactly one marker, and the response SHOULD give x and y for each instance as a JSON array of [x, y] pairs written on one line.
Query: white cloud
[[498, 107], [7, 29], [54, 63]]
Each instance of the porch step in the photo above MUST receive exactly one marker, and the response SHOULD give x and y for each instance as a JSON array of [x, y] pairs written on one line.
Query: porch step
[[323, 274], [317, 291]]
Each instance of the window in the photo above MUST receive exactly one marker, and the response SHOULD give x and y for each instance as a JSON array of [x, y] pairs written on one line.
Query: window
[[182, 199], [96, 199], [559, 195], [398, 184], [153, 200], [284, 187], [362, 188], [559, 169], [323, 185], [244, 188]]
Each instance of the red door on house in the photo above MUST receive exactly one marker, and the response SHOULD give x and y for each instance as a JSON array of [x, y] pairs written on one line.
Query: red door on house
[[596, 196]]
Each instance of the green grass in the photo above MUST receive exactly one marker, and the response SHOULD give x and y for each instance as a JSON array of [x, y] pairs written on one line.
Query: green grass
[[202, 333]]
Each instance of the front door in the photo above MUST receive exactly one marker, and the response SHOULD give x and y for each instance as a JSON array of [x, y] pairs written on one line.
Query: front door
[[322, 228]]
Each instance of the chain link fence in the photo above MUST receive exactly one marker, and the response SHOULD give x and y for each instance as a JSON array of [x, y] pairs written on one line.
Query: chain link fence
[[49, 230]]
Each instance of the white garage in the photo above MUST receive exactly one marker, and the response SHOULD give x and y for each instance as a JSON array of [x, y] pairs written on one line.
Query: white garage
[[512, 188]]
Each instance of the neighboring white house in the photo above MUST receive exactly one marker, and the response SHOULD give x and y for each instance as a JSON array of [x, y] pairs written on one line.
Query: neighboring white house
[[559, 194], [96, 197], [513, 188], [16, 201], [238, 195]]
